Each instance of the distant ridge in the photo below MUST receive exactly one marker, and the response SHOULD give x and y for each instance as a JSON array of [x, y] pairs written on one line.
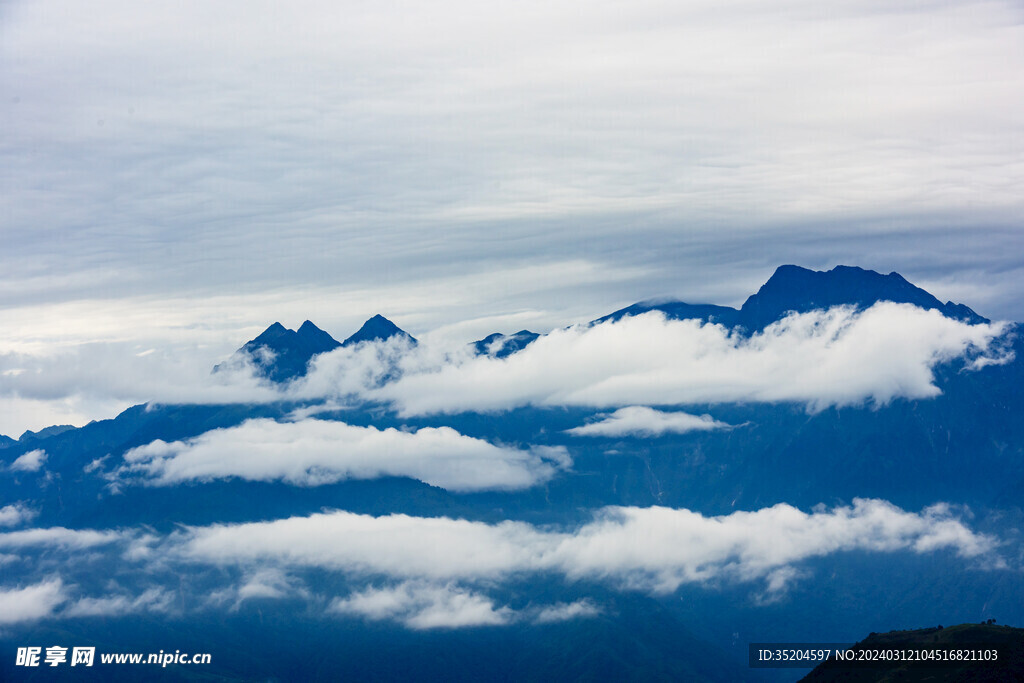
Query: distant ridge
[[44, 433], [501, 345], [790, 289], [795, 289]]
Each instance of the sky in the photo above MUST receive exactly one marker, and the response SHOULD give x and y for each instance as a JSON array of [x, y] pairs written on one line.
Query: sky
[[176, 176]]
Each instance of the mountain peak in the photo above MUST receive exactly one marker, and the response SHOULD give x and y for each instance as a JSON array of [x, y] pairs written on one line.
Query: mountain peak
[[272, 333], [377, 328], [793, 288], [291, 351], [316, 340]]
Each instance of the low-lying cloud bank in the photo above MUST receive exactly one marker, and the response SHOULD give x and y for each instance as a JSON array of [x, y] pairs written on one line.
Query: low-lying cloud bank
[[438, 572], [652, 549], [839, 357], [423, 605], [312, 452], [642, 421]]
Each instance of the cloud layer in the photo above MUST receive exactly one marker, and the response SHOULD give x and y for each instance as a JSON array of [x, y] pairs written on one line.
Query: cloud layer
[[206, 148], [438, 572], [652, 549], [837, 357], [645, 422], [311, 452]]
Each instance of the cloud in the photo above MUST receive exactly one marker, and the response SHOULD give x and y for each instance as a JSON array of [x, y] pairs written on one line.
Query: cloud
[[95, 380], [646, 422], [16, 514], [159, 197], [29, 462], [312, 452], [151, 600], [659, 549], [682, 113], [30, 603], [841, 356], [268, 582], [395, 545], [822, 358], [423, 606], [59, 537], [438, 572], [651, 549], [581, 609]]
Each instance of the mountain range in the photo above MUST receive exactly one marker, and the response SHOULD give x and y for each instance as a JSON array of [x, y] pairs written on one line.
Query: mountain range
[[281, 354], [948, 466]]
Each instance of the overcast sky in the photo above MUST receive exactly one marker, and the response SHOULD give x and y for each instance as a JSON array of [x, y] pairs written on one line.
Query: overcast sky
[[182, 174]]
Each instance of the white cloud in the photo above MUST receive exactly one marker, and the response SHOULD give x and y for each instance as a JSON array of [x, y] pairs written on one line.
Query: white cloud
[[30, 603], [311, 452], [580, 609], [643, 421], [659, 548], [16, 514], [150, 600], [268, 582], [396, 545], [653, 549], [436, 572], [97, 380], [59, 537], [421, 606], [837, 357], [29, 462]]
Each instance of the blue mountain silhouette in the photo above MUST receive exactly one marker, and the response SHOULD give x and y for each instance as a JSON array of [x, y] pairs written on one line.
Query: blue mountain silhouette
[[795, 289], [281, 354]]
